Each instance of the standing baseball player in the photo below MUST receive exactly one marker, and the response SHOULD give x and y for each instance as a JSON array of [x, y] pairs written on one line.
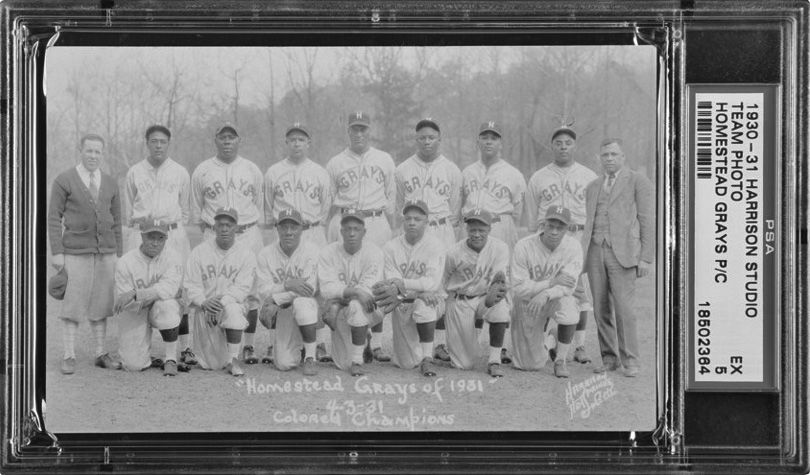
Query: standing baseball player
[[157, 188], [430, 177], [545, 268], [562, 183], [414, 268], [363, 180], [147, 288], [219, 276], [287, 279], [233, 182], [476, 280], [347, 271], [494, 185]]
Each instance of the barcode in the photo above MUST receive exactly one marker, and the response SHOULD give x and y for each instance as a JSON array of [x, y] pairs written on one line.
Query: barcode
[[704, 140]]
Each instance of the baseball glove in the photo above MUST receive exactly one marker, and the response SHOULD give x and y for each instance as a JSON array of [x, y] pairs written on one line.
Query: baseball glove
[[497, 289], [386, 296], [268, 314]]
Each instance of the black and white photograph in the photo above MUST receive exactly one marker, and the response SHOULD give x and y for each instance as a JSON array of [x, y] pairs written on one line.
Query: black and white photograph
[[352, 239]]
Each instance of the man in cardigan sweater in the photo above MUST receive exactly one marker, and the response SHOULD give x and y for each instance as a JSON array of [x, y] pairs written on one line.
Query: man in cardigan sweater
[[84, 224]]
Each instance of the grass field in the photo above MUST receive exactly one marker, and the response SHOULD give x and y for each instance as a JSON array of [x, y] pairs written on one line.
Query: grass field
[[386, 399]]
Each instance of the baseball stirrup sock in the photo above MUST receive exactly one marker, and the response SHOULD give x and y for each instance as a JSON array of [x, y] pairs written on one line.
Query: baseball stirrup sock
[[579, 338], [376, 340], [171, 351], [494, 355], [249, 338], [233, 350], [69, 338], [357, 353], [562, 351], [438, 337], [309, 349], [427, 349]]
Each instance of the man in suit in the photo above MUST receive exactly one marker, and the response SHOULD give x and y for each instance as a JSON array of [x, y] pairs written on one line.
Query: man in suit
[[84, 225], [620, 244]]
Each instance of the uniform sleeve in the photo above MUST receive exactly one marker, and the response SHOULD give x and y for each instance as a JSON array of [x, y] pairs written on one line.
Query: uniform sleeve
[[390, 186], [192, 280], [523, 286], [269, 199], [167, 286], [518, 198], [184, 195], [240, 288], [533, 198], [390, 269], [130, 192], [115, 210], [400, 196], [456, 182], [573, 266], [449, 268], [124, 283], [258, 200], [196, 195], [644, 205], [267, 283], [55, 212], [328, 276], [327, 196], [434, 271], [372, 273]]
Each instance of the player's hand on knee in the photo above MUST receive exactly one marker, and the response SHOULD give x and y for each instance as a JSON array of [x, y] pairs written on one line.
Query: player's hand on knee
[[212, 305], [300, 287], [564, 279], [366, 300], [123, 300], [537, 303]]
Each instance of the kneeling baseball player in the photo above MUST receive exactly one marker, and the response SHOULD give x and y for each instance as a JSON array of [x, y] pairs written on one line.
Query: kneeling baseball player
[[475, 279], [219, 276], [147, 285], [412, 290], [346, 272], [287, 279], [545, 267]]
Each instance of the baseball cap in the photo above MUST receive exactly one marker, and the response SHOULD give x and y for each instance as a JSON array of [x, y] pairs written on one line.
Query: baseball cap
[[559, 213], [229, 212], [564, 130], [299, 127], [352, 213], [478, 214], [157, 128], [491, 126], [418, 204], [227, 126], [154, 225], [359, 118], [57, 284], [428, 122], [289, 215]]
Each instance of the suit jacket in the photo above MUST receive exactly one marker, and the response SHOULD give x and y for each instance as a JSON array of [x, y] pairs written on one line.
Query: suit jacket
[[630, 212]]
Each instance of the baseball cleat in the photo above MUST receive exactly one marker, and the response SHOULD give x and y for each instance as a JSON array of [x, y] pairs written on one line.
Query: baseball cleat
[[560, 369], [188, 357], [249, 355], [506, 358], [631, 371], [321, 355], [380, 355], [68, 366], [157, 363], [440, 353], [268, 357], [426, 367], [495, 370], [580, 356], [309, 368], [170, 368], [357, 369], [234, 368], [608, 364], [183, 368], [105, 361]]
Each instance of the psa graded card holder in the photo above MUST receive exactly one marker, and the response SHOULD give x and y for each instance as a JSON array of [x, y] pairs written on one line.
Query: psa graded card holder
[[404, 237]]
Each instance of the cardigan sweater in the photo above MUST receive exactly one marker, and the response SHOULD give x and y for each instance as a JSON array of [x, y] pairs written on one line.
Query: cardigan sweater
[[77, 224]]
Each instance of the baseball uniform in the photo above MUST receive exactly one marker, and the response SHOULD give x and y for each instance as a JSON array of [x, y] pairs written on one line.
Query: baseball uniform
[[532, 268], [499, 189], [273, 270], [366, 183], [160, 277], [211, 272], [467, 277], [421, 268], [158, 194], [337, 269], [237, 185], [304, 187], [437, 183]]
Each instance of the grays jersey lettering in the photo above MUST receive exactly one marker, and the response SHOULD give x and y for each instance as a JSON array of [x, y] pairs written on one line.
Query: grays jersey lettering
[[213, 190], [348, 178]]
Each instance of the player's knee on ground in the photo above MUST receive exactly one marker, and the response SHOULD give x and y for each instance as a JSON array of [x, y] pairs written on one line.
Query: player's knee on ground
[[164, 314], [233, 317], [498, 313], [423, 313], [563, 310], [355, 315], [305, 311]]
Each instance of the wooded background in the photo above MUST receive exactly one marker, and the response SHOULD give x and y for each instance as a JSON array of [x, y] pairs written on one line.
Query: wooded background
[[118, 92]]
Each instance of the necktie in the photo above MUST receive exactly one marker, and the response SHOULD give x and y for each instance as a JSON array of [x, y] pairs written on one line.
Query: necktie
[[93, 187], [609, 182]]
